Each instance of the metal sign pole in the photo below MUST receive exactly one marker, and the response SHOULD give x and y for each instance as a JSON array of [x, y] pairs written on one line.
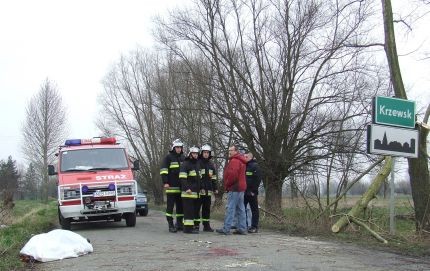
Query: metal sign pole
[[392, 222]]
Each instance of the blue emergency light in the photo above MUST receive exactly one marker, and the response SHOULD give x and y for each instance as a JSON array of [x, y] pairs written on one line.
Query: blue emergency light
[[85, 189], [73, 142], [92, 141]]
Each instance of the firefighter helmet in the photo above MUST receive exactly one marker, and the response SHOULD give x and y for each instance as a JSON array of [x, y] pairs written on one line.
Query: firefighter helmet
[[206, 147], [193, 149], [177, 143]]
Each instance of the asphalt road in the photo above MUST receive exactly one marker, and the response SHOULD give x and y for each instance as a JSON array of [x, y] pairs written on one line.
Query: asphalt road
[[149, 246]]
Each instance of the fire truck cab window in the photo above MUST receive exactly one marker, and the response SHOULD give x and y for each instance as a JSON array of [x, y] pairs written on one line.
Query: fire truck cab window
[[93, 159]]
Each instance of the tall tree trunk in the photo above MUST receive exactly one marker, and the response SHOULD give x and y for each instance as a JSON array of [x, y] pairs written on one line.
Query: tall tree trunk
[[420, 182], [418, 167], [157, 187], [391, 50], [273, 195]]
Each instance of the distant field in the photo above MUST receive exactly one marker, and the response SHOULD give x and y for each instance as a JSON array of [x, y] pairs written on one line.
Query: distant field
[[349, 201]]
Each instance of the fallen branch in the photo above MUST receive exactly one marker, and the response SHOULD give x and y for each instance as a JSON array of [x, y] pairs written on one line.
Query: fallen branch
[[370, 194], [406, 216], [349, 186], [372, 232], [281, 219]]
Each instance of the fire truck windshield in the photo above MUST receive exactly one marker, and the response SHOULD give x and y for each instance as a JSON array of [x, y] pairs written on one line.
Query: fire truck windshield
[[93, 159]]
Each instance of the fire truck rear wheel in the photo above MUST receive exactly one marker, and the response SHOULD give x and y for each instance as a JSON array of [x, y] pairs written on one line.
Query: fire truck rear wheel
[[64, 222], [130, 219]]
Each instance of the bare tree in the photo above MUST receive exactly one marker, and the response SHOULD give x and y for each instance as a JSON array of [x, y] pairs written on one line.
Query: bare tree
[[282, 72], [44, 130], [152, 99]]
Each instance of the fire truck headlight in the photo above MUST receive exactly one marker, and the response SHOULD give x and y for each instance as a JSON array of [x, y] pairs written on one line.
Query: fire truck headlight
[[71, 194], [125, 190]]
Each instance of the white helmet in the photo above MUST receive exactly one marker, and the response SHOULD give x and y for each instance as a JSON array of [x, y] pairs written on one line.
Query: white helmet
[[177, 143], [206, 147], [193, 149]]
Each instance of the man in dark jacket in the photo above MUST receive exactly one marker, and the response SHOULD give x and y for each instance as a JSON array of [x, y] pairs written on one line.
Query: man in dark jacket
[[170, 175], [253, 180], [235, 186]]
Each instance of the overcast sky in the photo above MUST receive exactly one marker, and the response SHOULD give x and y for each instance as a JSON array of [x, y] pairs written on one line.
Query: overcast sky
[[73, 43]]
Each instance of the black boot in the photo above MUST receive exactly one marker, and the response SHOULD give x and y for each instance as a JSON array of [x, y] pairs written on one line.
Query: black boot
[[179, 224], [197, 227], [172, 227], [207, 227], [189, 229], [195, 230]]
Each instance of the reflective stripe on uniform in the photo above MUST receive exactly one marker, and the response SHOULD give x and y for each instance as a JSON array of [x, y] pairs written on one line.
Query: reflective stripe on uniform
[[192, 173], [183, 175], [205, 219], [174, 165], [172, 215], [213, 177], [193, 195], [249, 173], [164, 171], [197, 220], [188, 222], [171, 190]]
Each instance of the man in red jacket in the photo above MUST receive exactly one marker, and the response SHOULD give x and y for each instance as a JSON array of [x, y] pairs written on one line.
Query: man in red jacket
[[235, 186]]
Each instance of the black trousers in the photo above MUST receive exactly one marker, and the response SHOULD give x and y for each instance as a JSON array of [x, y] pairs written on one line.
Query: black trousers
[[253, 204], [172, 200], [203, 203], [189, 213]]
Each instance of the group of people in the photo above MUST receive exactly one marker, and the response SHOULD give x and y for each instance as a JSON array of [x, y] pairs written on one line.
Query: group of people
[[189, 182]]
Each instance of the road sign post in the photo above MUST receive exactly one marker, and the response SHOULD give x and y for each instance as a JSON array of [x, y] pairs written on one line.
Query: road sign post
[[392, 201]]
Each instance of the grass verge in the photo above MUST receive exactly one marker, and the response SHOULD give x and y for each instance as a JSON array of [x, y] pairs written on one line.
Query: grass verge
[[28, 218]]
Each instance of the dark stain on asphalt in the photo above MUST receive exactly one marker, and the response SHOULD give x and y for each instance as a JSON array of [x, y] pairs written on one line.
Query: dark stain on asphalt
[[222, 252]]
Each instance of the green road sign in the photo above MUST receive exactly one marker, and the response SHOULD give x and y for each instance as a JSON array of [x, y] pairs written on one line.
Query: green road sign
[[394, 111]]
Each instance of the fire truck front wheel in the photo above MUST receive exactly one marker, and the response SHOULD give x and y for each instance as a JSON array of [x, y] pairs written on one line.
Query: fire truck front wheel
[[130, 219], [64, 222]]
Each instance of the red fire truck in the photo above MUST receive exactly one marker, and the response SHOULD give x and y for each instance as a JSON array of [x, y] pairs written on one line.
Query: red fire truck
[[95, 182]]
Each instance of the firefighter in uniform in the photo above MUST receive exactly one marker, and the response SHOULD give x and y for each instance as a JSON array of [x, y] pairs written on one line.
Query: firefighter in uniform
[[208, 185], [190, 185], [253, 181], [170, 175]]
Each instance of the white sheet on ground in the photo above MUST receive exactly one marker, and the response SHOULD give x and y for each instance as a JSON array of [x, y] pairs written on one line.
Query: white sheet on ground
[[56, 245]]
